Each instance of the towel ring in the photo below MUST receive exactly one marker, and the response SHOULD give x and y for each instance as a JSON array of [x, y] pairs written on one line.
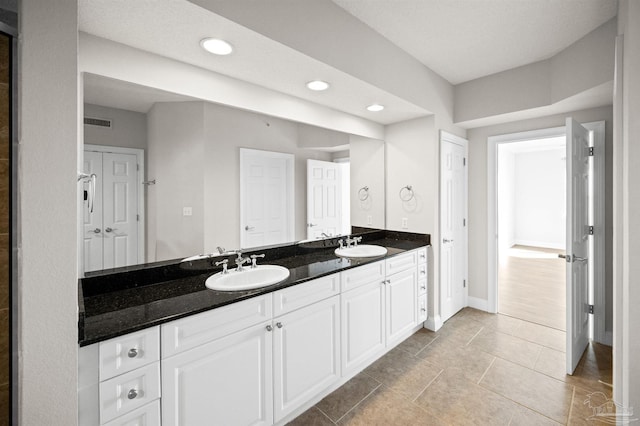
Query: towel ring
[[406, 193], [363, 193]]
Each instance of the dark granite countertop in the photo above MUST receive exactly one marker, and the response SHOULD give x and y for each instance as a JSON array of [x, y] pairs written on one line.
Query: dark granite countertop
[[120, 301]]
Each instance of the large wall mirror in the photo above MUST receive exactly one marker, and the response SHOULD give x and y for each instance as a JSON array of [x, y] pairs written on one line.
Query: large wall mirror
[[177, 176]]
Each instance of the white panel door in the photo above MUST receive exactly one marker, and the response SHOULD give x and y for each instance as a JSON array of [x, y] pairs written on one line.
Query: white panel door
[[306, 352], [92, 229], [577, 242], [225, 382], [324, 199], [120, 201], [453, 231], [266, 198]]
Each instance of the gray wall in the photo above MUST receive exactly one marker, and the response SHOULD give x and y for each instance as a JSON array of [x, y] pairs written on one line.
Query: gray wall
[[478, 286], [128, 130], [47, 303]]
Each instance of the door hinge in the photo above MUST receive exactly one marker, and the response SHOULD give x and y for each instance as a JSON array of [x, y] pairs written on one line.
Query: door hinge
[[591, 153], [138, 217], [464, 222], [138, 167], [591, 230], [464, 161], [464, 283], [590, 309]]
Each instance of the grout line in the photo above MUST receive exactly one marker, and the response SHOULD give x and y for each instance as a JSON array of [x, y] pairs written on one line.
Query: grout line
[[359, 402], [474, 336], [573, 396], [428, 384], [535, 363], [324, 414], [487, 369], [426, 346]]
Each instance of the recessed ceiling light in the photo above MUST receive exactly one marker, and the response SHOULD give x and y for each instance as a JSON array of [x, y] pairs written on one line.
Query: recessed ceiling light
[[216, 46], [318, 85], [375, 107]]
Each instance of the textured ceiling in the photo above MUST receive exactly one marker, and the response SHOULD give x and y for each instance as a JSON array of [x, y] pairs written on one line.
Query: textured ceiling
[[466, 39]]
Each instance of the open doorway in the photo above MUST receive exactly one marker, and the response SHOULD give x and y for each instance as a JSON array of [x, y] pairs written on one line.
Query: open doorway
[[531, 195]]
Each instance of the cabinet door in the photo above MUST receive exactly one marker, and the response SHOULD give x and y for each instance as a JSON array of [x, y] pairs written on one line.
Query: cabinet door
[[306, 354], [402, 304], [224, 382], [363, 326]]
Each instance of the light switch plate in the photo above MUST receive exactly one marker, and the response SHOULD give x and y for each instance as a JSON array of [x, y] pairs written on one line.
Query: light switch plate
[[187, 211]]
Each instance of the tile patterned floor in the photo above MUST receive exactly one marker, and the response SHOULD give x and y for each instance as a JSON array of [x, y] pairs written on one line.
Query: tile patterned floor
[[478, 369]]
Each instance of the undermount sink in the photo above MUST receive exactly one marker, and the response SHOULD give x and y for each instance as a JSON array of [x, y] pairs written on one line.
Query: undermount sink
[[247, 279], [364, 250]]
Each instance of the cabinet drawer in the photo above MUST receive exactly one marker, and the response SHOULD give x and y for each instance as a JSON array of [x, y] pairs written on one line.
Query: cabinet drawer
[[354, 278], [129, 391], [402, 262], [422, 286], [196, 330], [292, 298], [422, 271], [422, 255], [126, 353], [422, 308], [149, 415]]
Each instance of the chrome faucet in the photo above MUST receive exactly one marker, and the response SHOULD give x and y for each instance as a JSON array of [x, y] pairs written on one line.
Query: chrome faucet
[[241, 261], [254, 259], [325, 235], [356, 240]]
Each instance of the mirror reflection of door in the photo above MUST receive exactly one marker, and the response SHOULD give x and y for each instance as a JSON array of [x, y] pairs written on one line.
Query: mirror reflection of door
[[326, 215], [110, 227], [266, 198]]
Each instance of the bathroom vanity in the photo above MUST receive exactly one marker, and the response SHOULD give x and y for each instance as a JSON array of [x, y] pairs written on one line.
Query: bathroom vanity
[[158, 347]]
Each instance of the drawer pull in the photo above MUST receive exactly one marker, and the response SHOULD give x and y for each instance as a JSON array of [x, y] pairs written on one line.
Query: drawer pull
[[269, 328], [133, 352], [279, 324], [423, 310], [132, 394], [423, 288], [422, 271]]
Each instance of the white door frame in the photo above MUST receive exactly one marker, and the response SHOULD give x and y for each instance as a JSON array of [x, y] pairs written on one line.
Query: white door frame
[[139, 153], [598, 129], [434, 323], [290, 161]]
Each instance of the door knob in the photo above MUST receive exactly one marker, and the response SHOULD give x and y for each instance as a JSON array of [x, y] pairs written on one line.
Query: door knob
[[444, 240], [311, 225], [249, 228], [108, 230], [96, 231]]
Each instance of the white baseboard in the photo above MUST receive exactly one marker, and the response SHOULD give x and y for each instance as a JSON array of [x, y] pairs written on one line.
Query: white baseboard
[[543, 244], [477, 303], [433, 323]]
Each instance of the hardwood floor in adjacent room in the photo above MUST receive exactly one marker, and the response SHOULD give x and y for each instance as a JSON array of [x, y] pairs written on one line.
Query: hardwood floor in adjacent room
[[532, 285]]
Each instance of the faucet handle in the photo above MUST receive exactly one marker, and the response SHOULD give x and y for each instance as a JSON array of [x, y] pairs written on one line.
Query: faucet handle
[[356, 240], [224, 263], [254, 259]]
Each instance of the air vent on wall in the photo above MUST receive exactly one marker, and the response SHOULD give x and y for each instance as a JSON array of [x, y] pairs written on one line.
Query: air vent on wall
[[100, 122]]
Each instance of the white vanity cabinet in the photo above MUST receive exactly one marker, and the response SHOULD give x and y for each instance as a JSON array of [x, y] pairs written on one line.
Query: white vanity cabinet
[[306, 354], [217, 366], [119, 380]]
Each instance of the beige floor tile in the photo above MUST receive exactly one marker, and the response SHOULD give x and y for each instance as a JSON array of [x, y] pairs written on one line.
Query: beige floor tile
[[525, 417], [417, 341], [508, 347], [552, 363], [450, 353], [311, 417], [545, 336], [461, 328], [343, 399], [503, 324], [534, 390], [406, 375], [458, 401], [384, 407]]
